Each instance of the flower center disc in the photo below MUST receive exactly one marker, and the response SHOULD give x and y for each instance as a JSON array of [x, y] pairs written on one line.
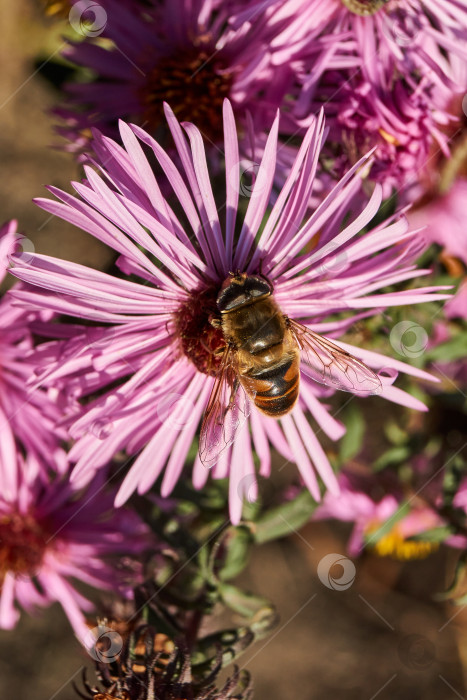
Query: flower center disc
[[364, 8], [194, 85], [199, 340], [22, 545]]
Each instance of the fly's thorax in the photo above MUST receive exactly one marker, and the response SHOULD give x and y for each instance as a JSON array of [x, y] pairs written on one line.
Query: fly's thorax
[[255, 327], [364, 8]]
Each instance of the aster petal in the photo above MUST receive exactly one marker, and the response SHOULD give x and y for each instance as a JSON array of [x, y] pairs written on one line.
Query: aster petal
[[209, 216], [183, 443], [8, 614], [333, 428], [259, 198], [232, 174], [300, 456], [242, 480]]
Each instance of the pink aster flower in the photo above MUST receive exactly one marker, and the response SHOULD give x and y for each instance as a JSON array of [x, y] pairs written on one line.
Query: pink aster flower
[[444, 220], [385, 73], [368, 505], [398, 119], [425, 37], [153, 360], [452, 374], [28, 416], [52, 536], [180, 51], [456, 307]]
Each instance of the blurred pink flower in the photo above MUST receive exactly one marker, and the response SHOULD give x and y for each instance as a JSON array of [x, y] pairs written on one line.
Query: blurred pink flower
[[367, 504], [28, 416], [384, 72], [51, 535], [444, 220], [452, 373], [456, 307], [180, 51], [153, 364], [423, 37], [389, 114]]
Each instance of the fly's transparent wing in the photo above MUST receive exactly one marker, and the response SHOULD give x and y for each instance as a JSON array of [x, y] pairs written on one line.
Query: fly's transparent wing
[[329, 364], [228, 408]]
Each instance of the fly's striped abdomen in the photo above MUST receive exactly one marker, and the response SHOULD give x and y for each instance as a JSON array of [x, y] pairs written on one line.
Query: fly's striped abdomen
[[275, 389]]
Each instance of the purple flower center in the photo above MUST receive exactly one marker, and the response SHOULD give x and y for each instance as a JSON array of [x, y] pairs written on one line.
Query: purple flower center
[[22, 545], [199, 340], [194, 83], [364, 7]]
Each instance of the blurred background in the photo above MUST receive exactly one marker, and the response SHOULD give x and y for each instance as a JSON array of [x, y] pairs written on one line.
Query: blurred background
[[383, 636]]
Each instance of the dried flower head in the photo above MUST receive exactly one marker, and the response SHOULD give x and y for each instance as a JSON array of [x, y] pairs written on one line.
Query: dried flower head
[[151, 665]]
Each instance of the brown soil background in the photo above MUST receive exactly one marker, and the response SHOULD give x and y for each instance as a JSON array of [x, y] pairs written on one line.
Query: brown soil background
[[356, 644]]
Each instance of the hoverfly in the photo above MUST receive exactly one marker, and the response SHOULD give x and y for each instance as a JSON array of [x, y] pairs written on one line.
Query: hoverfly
[[364, 8], [261, 362]]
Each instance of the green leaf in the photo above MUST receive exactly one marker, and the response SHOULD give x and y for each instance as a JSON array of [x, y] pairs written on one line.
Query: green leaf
[[385, 528], [284, 519], [245, 604], [236, 543], [392, 457], [436, 534], [457, 584], [231, 642], [395, 433], [455, 472], [453, 349], [461, 601], [351, 443]]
